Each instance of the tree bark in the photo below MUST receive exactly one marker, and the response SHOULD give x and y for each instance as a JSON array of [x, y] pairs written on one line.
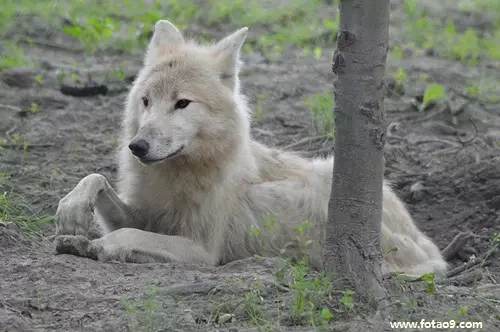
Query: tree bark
[[352, 247]]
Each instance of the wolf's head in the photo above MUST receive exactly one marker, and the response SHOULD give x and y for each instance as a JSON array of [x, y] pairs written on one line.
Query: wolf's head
[[186, 101]]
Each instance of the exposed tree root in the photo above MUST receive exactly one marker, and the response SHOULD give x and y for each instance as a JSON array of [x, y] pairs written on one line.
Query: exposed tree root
[[484, 260], [456, 245], [463, 280]]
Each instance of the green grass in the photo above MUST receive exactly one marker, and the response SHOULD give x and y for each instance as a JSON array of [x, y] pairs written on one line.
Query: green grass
[[10, 9], [299, 23], [308, 295], [12, 56], [98, 25], [259, 107], [254, 308], [141, 313], [309, 290], [93, 31], [485, 89], [11, 212], [468, 45], [321, 108], [125, 26], [433, 92], [400, 78], [488, 7], [307, 301], [307, 25]]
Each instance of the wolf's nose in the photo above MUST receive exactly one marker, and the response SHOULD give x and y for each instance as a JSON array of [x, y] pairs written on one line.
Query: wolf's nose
[[139, 148]]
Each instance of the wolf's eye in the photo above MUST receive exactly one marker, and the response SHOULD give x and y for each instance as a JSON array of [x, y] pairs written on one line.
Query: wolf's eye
[[182, 103], [145, 101]]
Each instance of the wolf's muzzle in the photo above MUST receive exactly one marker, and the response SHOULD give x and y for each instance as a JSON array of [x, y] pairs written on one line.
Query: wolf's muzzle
[[139, 148]]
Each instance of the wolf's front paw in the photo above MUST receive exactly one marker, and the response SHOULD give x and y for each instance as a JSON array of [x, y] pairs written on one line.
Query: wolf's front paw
[[74, 217], [76, 245], [75, 213]]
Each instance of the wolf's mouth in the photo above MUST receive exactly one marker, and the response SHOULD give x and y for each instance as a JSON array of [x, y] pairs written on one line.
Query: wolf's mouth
[[154, 161], [175, 153]]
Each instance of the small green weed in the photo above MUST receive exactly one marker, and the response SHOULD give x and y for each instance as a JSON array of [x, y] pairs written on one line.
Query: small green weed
[[11, 212], [468, 46], [253, 304], [495, 238], [396, 51], [321, 107], [485, 89], [34, 108], [309, 290], [400, 77], [259, 107], [302, 236], [141, 313], [493, 246], [430, 281], [295, 23], [38, 79], [347, 300], [460, 314], [91, 31], [308, 293], [432, 93], [12, 56], [464, 46], [115, 74]]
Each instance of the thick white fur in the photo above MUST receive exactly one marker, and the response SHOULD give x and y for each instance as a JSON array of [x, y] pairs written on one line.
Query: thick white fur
[[198, 206]]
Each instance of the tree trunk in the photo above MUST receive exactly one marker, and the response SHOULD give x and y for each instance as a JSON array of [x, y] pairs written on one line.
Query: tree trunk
[[352, 248]]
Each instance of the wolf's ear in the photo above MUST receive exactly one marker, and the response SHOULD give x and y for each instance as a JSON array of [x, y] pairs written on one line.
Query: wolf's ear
[[164, 33], [227, 52]]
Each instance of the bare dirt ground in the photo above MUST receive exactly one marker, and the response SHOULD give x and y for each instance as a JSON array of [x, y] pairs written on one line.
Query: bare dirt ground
[[444, 162]]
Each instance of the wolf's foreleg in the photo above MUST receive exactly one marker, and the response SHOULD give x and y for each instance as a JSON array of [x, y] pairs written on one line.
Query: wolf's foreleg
[[137, 246], [93, 193]]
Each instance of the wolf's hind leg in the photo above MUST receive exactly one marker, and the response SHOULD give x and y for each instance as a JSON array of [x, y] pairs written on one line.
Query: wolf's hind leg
[[93, 193]]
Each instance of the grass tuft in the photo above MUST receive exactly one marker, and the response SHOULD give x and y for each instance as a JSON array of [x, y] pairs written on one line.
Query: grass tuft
[[10, 212]]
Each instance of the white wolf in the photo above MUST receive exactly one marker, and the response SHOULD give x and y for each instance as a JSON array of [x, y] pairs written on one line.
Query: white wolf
[[192, 182]]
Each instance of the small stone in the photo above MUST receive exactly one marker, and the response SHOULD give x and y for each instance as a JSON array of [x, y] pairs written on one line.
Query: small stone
[[187, 317], [418, 190], [457, 105], [492, 138], [19, 77], [225, 318]]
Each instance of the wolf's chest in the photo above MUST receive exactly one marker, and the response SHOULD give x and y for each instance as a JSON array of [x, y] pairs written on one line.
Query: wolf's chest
[[183, 214]]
